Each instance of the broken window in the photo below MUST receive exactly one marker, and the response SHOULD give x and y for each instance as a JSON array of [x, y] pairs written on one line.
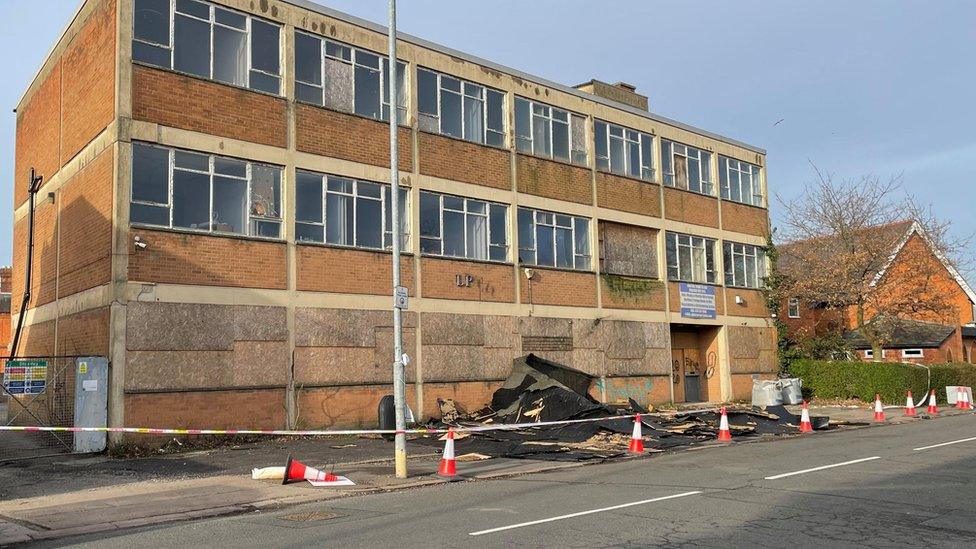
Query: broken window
[[346, 212], [745, 265], [547, 131], [690, 258], [188, 190], [623, 151], [458, 108], [463, 227], [347, 79], [686, 167], [549, 239], [208, 41], [740, 181]]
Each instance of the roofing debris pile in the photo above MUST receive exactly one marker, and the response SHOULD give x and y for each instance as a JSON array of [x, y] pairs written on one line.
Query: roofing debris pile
[[539, 390]]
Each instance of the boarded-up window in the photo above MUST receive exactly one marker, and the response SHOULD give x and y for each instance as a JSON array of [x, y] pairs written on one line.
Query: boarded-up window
[[628, 250]]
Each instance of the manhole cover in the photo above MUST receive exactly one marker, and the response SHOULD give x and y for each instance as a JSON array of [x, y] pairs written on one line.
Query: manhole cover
[[311, 516]]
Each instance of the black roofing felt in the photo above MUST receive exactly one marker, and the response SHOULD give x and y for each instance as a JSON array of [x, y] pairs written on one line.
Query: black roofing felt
[[906, 334]]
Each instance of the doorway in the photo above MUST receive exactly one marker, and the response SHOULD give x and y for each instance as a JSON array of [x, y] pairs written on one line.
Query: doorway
[[686, 375]]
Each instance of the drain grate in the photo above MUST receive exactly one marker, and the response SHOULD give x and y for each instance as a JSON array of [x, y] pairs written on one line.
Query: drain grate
[[312, 516]]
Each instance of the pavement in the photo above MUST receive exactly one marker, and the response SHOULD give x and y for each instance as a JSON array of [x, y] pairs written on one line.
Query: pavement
[[105, 499]]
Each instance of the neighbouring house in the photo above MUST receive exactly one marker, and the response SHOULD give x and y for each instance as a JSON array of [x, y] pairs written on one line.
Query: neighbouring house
[[215, 219], [923, 336]]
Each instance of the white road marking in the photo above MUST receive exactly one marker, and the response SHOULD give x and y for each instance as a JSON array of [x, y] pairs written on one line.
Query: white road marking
[[581, 513], [821, 468], [945, 444]]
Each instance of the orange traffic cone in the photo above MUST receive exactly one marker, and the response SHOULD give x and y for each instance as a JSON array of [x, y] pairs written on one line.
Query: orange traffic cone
[[966, 405], [448, 466], [932, 409], [636, 441], [296, 471], [909, 405], [878, 408], [805, 425], [724, 435]]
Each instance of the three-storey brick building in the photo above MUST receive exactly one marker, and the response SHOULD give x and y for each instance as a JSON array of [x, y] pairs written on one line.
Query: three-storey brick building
[[215, 219]]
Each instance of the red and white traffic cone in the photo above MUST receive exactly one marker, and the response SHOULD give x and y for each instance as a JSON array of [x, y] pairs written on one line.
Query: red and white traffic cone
[[958, 397], [805, 425], [878, 408], [932, 409], [909, 405], [296, 470], [636, 440], [966, 405], [724, 434], [448, 468]]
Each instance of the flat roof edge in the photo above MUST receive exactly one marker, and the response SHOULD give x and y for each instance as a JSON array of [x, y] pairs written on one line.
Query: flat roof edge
[[370, 25]]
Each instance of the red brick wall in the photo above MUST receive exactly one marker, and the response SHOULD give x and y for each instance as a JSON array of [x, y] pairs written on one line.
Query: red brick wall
[[463, 161], [628, 195], [183, 258], [551, 179], [349, 137], [492, 282], [86, 227], [744, 219], [554, 287], [38, 134], [189, 103], [79, 334], [342, 270], [650, 300], [690, 207], [754, 303], [255, 409]]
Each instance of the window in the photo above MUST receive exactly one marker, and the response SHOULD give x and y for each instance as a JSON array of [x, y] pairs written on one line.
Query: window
[[553, 240], [547, 131], [793, 308], [690, 258], [346, 212], [188, 190], [463, 227], [458, 108], [623, 151], [209, 41], [912, 353], [686, 167], [869, 353], [740, 181], [745, 265], [334, 75]]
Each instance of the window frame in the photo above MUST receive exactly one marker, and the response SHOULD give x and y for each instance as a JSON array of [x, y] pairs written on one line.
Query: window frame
[[731, 251], [625, 137], [385, 190], [913, 353], [251, 220], [212, 23], [574, 228], [793, 304], [462, 93], [572, 119], [705, 185], [465, 212], [728, 165], [705, 244]]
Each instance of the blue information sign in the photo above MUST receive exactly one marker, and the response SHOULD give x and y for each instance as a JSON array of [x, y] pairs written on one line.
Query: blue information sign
[[697, 300]]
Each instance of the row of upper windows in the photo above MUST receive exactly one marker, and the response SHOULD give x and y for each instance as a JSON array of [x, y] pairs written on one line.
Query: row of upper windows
[[209, 41], [187, 190]]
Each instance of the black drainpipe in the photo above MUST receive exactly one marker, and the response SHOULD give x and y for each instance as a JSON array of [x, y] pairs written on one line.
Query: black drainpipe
[[32, 188]]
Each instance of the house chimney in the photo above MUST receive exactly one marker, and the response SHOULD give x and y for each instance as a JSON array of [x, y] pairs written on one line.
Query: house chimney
[[620, 92]]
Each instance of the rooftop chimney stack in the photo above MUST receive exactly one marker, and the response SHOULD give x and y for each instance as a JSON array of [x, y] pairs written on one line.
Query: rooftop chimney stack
[[620, 92]]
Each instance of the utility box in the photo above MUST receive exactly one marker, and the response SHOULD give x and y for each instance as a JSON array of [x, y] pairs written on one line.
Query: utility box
[[91, 402]]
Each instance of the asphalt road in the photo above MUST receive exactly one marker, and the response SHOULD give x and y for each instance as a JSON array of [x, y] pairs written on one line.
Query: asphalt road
[[876, 487]]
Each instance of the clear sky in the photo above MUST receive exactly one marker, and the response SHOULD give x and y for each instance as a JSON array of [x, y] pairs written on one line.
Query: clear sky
[[874, 86]]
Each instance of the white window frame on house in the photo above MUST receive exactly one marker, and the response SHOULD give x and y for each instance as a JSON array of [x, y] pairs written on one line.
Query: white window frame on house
[[261, 214], [793, 307], [913, 353], [217, 19], [492, 215], [630, 141], [869, 353], [491, 134], [672, 153], [700, 253], [330, 186], [536, 125], [532, 222], [333, 51], [745, 265], [740, 181]]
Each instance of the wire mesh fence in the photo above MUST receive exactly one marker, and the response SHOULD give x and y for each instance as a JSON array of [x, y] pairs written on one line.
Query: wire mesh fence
[[37, 391]]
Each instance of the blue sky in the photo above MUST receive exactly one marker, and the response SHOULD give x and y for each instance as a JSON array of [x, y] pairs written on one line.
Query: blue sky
[[879, 87]]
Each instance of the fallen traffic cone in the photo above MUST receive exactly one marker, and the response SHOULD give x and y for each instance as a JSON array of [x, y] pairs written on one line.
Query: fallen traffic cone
[[805, 425], [636, 441], [296, 470], [932, 409], [724, 435], [448, 468], [909, 405], [878, 408]]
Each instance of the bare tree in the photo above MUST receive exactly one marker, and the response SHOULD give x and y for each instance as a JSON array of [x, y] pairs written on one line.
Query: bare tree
[[863, 247]]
